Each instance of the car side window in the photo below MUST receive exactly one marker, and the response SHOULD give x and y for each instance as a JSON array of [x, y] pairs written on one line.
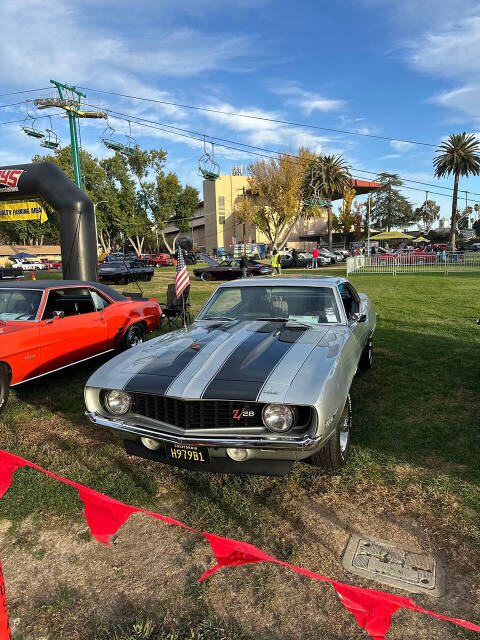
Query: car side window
[[99, 301], [73, 301], [349, 298]]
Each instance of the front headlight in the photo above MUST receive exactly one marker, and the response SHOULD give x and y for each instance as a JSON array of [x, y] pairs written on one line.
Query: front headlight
[[277, 417], [118, 402]]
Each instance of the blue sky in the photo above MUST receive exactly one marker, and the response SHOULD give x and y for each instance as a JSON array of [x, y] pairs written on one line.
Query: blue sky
[[405, 70]]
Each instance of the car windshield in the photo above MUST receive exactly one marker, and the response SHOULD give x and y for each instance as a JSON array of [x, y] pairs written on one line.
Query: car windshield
[[310, 305], [19, 304]]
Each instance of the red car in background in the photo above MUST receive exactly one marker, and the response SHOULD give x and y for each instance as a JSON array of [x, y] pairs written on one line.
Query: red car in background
[[162, 260], [406, 256], [46, 325], [52, 264]]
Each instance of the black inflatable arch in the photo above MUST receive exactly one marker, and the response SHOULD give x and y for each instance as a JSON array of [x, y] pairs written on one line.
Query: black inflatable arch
[[78, 238]]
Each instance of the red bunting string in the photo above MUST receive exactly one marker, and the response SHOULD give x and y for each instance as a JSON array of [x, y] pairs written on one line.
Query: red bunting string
[[4, 626], [372, 609]]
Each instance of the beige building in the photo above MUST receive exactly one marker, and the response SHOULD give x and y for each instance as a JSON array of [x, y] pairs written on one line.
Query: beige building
[[49, 251], [214, 223]]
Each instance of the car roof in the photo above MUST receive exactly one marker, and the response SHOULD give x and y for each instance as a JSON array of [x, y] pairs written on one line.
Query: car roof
[[41, 285], [287, 281]]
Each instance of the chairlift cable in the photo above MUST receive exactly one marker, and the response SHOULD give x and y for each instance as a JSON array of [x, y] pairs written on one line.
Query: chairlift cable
[[15, 93], [140, 120], [263, 118], [161, 127]]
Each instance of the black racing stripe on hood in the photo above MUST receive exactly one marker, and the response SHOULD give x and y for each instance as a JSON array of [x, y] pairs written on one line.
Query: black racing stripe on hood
[[160, 372], [246, 370]]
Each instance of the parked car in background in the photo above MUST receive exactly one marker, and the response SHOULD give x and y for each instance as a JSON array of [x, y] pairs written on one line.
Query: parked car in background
[[188, 256], [46, 325], [230, 270], [124, 271], [29, 265], [406, 256], [340, 255], [11, 273], [52, 264], [162, 260], [333, 257], [259, 381]]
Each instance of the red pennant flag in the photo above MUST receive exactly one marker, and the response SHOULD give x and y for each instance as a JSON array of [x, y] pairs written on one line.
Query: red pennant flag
[[4, 625], [372, 609]]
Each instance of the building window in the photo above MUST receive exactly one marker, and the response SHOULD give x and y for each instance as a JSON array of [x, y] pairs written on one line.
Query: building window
[[221, 219], [221, 202]]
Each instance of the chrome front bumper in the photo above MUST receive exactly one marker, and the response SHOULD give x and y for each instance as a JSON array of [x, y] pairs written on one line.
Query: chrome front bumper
[[298, 444]]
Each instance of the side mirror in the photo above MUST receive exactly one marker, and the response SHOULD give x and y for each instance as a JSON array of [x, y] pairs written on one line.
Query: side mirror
[[58, 314], [358, 317]]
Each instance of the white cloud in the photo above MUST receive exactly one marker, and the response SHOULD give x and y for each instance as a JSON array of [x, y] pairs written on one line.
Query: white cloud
[[64, 41], [265, 133], [307, 101], [401, 146]]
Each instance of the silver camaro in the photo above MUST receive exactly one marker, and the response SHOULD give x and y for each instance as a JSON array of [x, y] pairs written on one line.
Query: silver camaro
[[260, 380]]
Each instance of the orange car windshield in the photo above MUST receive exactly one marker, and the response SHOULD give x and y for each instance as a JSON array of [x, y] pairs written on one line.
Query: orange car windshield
[[19, 304]]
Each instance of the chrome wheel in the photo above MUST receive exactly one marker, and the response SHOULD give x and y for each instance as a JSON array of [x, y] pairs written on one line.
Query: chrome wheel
[[135, 336]]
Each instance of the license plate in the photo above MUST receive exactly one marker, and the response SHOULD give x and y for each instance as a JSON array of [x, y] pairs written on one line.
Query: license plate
[[187, 454]]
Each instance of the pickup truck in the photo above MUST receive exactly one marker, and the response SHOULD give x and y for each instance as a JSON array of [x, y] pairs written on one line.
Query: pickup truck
[[29, 265]]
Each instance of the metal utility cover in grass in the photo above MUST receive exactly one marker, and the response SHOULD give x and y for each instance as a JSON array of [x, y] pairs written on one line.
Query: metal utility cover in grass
[[389, 564]]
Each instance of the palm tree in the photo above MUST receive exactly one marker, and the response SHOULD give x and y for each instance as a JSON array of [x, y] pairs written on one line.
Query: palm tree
[[332, 178], [459, 155]]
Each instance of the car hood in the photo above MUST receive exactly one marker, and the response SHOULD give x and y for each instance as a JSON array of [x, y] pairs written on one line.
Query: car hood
[[239, 360]]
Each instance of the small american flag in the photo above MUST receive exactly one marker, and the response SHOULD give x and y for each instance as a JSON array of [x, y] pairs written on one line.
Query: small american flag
[[181, 279]]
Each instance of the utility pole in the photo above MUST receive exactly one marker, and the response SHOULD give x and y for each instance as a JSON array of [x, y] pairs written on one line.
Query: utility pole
[[244, 245], [368, 226]]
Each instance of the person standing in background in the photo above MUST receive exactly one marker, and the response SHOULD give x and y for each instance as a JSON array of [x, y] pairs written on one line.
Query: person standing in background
[[244, 265], [315, 255], [276, 264]]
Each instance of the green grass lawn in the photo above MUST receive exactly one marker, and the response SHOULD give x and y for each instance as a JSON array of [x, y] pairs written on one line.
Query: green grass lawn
[[414, 468]]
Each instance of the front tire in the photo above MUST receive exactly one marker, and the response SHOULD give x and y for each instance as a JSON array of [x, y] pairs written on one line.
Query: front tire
[[366, 359], [333, 456], [206, 276], [133, 336], [4, 387]]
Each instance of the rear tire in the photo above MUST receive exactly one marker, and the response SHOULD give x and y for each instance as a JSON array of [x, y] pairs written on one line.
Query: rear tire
[[334, 454], [133, 336], [4, 387], [366, 359]]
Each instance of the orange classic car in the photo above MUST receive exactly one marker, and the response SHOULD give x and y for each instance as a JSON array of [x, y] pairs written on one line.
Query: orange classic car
[[46, 325]]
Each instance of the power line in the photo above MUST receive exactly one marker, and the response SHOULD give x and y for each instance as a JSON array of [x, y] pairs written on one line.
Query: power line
[[12, 104], [193, 135], [15, 93], [151, 124], [263, 118]]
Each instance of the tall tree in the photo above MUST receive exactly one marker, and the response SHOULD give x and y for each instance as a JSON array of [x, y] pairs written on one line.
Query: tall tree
[[358, 225], [389, 207], [460, 156], [129, 207], [172, 203], [331, 178], [278, 186], [428, 213]]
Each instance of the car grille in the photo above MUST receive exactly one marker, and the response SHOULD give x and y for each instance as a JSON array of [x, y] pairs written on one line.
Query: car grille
[[197, 414]]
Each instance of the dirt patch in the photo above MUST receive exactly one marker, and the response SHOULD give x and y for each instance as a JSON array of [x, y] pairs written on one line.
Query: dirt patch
[[63, 584]]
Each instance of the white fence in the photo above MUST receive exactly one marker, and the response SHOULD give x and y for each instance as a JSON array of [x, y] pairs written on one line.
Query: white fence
[[411, 263]]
